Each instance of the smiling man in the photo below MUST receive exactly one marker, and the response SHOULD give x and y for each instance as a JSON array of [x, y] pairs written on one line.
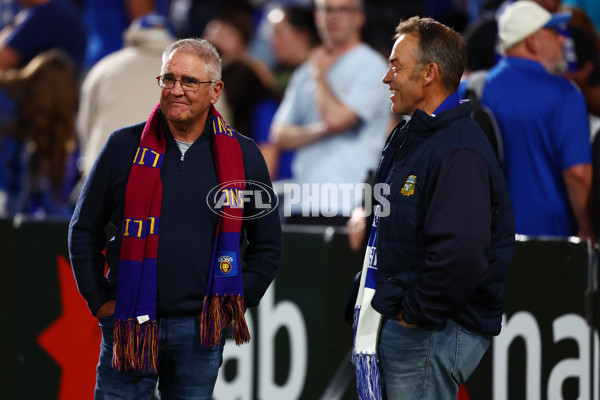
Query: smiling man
[[175, 281], [435, 265]]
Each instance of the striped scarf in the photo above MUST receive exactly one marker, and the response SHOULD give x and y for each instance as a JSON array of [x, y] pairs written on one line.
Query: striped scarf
[[367, 323], [135, 347]]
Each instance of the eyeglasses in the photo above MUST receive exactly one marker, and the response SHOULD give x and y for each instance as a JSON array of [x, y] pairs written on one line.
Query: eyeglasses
[[335, 10], [187, 84]]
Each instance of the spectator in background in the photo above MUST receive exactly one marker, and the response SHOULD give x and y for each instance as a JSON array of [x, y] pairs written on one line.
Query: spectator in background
[[251, 103], [590, 7], [43, 25], [119, 90], [481, 38], [38, 137], [334, 114], [580, 49], [582, 20], [544, 125], [294, 35], [231, 32], [107, 20], [40, 26], [190, 17], [249, 99]]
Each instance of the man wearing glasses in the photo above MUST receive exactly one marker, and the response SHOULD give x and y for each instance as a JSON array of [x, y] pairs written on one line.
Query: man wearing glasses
[[334, 112], [175, 285]]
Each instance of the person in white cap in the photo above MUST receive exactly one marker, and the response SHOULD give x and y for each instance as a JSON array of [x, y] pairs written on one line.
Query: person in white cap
[[544, 124], [525, 20], [580, 50]]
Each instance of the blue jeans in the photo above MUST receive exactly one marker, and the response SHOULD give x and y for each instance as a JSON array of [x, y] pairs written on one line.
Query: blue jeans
[[425, 363], [186, 369]]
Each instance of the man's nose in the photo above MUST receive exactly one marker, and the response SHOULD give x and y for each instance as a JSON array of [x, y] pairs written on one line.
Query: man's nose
[[386, 78], [177, 87]]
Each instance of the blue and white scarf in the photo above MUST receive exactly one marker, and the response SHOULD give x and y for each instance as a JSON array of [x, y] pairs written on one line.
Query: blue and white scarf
[[367, 323]]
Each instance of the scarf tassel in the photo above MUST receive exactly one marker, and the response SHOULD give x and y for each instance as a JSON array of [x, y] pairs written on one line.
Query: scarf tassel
[[367, 376], [216, 315], [135, 347], [366, 367]]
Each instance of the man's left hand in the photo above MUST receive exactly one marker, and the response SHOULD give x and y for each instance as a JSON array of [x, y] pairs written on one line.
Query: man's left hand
[[403, 322]]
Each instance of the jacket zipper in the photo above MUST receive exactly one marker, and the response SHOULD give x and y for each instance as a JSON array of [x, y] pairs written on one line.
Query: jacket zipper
[[181, 158]]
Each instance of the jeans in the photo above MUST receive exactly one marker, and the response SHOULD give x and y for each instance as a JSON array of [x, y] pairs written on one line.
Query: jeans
[[425, 363], [186, 369]]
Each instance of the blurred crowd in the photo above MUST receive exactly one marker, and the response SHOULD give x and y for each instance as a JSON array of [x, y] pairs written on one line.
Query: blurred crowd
[[73, 71]]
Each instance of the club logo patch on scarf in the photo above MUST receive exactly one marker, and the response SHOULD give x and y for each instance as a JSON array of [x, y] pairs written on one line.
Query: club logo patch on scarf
[[227, 264], [409, 186]]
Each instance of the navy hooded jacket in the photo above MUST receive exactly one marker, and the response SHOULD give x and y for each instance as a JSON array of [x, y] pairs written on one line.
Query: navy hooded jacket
[[446, 235]]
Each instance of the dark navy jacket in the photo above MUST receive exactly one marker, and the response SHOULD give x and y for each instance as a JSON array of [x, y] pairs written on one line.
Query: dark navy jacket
[[187, 224], [445, 247]]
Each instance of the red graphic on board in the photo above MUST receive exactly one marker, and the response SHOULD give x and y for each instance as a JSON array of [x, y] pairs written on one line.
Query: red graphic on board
[[462, 393], [73, 339]]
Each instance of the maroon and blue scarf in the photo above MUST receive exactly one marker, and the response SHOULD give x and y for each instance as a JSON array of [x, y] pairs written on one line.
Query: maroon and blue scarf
[[135, 347]]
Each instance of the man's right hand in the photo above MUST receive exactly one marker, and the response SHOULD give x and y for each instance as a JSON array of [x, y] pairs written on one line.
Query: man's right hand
[[357, 228], [106, 309]]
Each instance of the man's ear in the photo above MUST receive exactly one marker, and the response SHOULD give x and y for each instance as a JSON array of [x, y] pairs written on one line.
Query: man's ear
[[215, 91], [532, 43], [362, 19], [431, 73]]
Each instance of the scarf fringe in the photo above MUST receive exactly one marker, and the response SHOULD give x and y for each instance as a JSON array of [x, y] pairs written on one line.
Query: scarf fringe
[[217, 312], [367, 376], [135, 347], [366, 366]]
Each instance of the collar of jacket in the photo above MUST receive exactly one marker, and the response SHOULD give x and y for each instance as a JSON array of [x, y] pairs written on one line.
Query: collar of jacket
[[423, 123]]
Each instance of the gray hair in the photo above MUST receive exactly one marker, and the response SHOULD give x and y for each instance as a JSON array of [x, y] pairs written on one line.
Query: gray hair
[[200, 48], [438, 44]]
